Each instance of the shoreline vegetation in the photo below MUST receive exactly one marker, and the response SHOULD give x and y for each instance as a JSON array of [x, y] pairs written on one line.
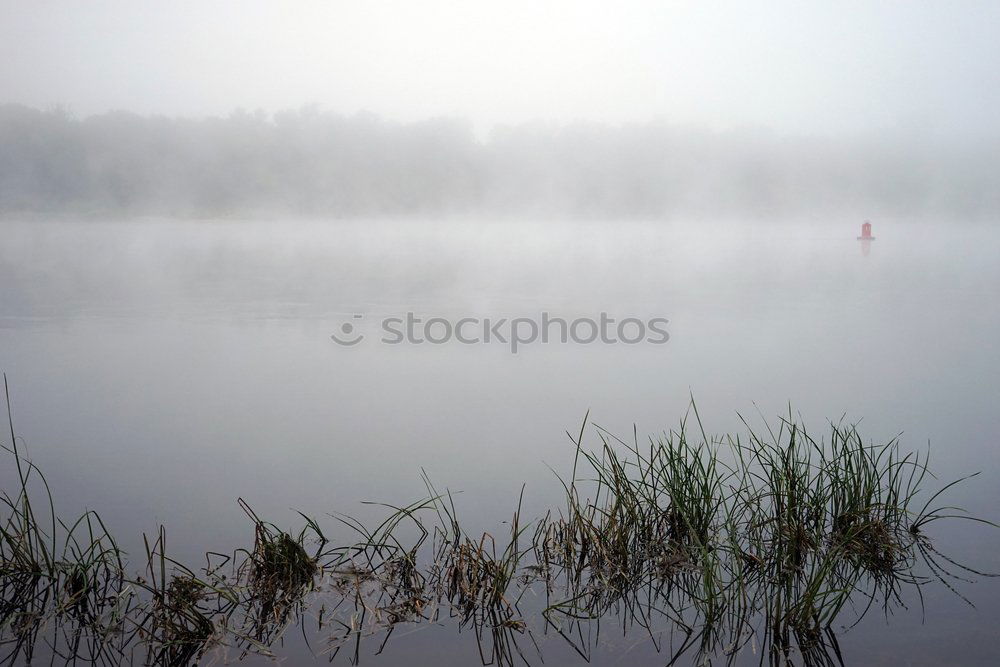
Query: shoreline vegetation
[[311, 163], [745, 548]]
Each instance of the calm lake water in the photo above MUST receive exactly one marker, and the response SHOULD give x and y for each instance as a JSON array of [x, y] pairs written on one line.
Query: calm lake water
[[159, 370]]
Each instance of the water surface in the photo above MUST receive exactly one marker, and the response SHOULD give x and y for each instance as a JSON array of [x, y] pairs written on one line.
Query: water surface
[[162, 369]]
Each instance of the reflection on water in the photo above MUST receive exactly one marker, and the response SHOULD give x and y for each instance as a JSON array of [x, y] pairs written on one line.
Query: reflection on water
[[738, 550], [161, 370]]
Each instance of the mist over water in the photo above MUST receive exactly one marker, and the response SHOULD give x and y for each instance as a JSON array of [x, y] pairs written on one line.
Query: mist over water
[[211, 340], [197, 200], [161, 369]]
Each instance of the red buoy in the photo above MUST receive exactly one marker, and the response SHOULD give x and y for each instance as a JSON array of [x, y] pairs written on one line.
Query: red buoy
[[866, 232]]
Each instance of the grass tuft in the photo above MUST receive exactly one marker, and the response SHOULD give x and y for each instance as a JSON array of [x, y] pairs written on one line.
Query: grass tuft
[[710, 547]]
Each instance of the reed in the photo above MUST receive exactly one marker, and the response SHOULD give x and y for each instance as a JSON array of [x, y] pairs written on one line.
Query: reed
[[71, 573], [707, 546]]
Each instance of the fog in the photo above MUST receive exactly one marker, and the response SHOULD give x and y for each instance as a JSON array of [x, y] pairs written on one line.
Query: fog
[[209, 211], [523, 108], [827, 68], [313, 163], [161, 369]]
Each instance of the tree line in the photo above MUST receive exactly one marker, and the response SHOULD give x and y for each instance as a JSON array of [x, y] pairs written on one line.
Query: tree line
[[309, 162]]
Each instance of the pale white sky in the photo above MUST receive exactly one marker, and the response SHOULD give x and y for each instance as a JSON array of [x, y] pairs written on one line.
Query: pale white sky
[[796, 66]]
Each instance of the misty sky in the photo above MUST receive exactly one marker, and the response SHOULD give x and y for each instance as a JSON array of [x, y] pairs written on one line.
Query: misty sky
[[801, 67]]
